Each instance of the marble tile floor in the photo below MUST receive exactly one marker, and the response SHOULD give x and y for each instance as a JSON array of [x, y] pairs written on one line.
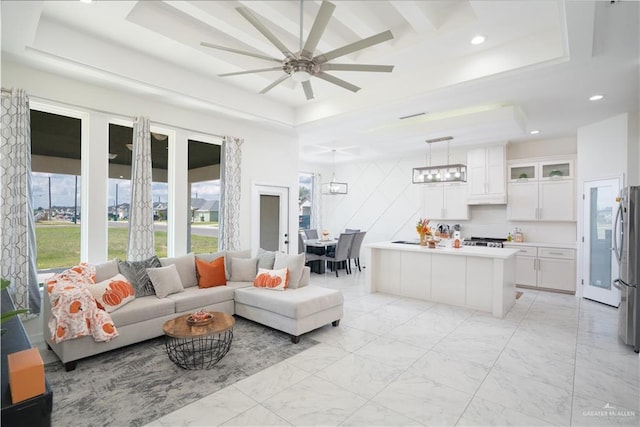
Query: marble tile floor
[[553, 360]]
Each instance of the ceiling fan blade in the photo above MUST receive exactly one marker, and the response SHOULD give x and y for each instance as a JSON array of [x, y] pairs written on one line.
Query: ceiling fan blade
[[317, 29], [274, 84], [308, 90], [357, 67], [336, 81], [241, 52], [249, 16], [262, 70], [354, 47]]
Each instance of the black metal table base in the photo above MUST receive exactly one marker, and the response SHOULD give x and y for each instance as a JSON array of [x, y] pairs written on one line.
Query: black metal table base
[[198, 352]]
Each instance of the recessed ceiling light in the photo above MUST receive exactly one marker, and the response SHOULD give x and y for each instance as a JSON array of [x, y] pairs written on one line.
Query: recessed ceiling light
[[86, 1], [534, 132], [596, 97], [479, 39]]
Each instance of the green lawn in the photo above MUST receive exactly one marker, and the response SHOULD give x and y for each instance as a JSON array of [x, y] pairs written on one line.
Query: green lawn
[[59, 244]]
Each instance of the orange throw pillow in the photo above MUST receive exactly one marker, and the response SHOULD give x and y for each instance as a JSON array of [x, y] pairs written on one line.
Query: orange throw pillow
[[211, 274]]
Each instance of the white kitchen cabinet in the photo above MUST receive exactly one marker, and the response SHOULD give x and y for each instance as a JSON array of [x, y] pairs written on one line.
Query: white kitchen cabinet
[[544, 267], [446, 201], [486, 175], [541, 191]]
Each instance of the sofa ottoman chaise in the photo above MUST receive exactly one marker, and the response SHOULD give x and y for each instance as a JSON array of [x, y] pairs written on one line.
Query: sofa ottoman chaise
[[294, 311]]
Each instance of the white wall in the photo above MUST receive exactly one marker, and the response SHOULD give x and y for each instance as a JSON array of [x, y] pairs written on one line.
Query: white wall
[[383, 201], [269, 154]]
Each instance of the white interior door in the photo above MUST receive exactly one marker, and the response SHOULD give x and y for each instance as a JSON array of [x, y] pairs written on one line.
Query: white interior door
[[270, 219], [600, 267]]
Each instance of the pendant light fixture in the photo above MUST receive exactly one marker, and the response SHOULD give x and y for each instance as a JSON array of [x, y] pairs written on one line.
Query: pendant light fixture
[[456, 172], [334, 187]]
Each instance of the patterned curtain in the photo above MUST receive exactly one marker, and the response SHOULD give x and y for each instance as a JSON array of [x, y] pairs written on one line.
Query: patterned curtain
[[141, 238], [17, 232], [316, 203], [230, 173]]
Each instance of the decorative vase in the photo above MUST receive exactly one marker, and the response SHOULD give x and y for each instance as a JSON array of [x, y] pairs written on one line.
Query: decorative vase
[[423, 240]]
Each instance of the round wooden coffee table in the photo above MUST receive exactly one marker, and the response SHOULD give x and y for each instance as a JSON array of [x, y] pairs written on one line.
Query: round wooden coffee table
[[198, 347]]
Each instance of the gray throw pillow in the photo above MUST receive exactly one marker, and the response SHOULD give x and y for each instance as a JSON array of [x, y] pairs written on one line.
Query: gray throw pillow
[[165, 280], [295, 264], [186, 267], [266, 259], [136, 273]]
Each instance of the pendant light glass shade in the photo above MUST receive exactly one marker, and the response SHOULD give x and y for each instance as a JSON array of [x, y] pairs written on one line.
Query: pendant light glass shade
[[334, 187]]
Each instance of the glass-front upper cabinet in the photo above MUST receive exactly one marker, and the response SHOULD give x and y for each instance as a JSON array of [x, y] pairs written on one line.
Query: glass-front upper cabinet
[[540, 170]]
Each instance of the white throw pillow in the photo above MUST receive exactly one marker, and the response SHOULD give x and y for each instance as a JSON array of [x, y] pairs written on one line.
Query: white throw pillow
[[229, 256], [165, 280], [113, 293], [271, 279], [295, 264]]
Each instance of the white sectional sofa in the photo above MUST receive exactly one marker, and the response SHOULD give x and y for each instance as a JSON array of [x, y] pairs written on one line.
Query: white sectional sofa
[[294, 310]]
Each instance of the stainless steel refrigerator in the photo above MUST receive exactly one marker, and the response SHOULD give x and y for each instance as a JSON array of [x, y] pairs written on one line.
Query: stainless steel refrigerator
[[626, 245]]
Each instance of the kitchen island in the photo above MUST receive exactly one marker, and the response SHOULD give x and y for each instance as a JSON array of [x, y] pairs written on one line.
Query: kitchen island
[[473, 277]]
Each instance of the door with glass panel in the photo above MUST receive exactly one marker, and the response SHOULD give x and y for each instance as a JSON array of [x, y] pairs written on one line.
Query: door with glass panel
[[600, 267]]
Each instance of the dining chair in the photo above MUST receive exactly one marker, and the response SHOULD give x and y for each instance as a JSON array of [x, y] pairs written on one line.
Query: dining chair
[[341, 255], [311, 233], [354, 250], [301, 246], [351, 230]]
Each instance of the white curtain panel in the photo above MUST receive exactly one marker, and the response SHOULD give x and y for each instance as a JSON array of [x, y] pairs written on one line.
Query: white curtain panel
[[230, 174], [316, 203], [17, 232], [141, 238]]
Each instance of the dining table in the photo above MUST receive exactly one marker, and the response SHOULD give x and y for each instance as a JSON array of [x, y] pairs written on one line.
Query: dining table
[[319, 247]]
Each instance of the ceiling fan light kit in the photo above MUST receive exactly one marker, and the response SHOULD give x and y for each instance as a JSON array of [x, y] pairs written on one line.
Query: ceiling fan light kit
[[451, 172], [301, 66]]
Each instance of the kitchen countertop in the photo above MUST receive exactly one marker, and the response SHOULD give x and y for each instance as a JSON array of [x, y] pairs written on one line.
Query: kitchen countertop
[[475, 251], [542, 244]]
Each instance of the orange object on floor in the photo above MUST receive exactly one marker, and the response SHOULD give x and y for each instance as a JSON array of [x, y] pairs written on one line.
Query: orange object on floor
[[26, 374]]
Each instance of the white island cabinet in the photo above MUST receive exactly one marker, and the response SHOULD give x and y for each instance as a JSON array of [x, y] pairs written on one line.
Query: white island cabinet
[[472, 277]]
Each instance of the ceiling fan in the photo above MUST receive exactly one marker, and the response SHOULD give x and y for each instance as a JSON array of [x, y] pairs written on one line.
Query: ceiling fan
[[303, 65]]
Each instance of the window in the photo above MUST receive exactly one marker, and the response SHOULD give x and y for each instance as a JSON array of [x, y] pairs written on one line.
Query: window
[[204, 187], [55, 180], [120, 159], [305, 200]]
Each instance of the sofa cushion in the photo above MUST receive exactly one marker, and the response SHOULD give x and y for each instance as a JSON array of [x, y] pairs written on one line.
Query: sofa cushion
[[243, 270], [211, 274], [113, 293], [165, 280], [295, 264], [196, 298], [186, 266], [141, 309], [106, 270], [210, 256], [292, 303], [136, 273]]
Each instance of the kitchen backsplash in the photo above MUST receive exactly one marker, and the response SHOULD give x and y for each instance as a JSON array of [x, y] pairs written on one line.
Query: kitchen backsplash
[[491, 221]]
